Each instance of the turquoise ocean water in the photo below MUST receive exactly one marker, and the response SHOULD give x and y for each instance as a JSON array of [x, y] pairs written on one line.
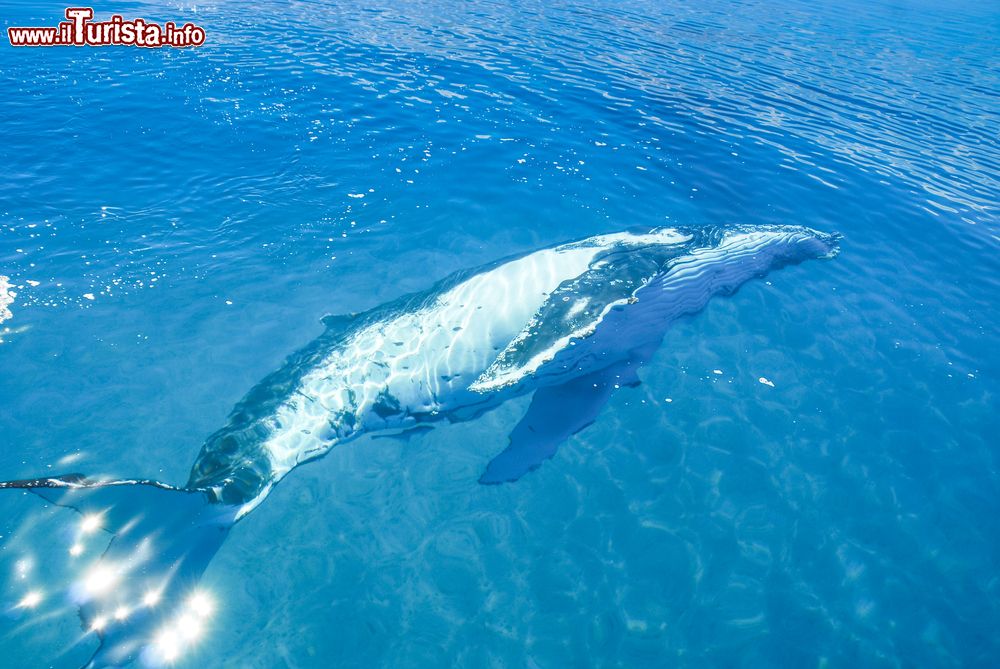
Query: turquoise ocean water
[[175, 222]]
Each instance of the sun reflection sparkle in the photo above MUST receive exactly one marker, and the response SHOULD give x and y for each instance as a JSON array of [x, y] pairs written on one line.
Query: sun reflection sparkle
[[90, 523], [23, 567], [151, 598], [100, 580], [184, 631], [201, 604], [30, 600]]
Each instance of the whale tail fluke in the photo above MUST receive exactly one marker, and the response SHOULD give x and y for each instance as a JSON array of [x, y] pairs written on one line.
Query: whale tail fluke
[[139, 593]]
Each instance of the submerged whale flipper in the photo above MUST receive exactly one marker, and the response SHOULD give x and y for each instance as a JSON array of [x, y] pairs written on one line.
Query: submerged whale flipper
[[556, 413], [138, 596]]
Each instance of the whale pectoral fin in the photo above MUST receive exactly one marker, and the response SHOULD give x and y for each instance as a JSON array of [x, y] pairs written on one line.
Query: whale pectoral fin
[[556, 413]]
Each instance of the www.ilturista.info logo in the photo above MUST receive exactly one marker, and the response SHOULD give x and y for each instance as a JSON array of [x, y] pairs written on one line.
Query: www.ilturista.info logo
[[80, 30]]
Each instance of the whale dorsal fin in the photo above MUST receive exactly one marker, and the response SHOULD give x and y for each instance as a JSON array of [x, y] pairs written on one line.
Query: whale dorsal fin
[[338, 322], [556, 413]]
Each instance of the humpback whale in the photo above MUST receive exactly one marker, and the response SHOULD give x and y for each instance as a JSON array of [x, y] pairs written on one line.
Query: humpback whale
[[569, 323]]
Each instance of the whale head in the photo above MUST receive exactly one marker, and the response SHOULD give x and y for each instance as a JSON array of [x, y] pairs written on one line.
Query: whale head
[[643, 254], [652, 278], [774, 246]]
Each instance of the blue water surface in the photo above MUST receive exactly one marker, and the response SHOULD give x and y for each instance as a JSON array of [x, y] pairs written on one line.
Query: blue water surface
[[176, 222]]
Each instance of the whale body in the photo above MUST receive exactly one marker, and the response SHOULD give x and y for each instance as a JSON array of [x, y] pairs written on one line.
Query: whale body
[[569, 323]]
